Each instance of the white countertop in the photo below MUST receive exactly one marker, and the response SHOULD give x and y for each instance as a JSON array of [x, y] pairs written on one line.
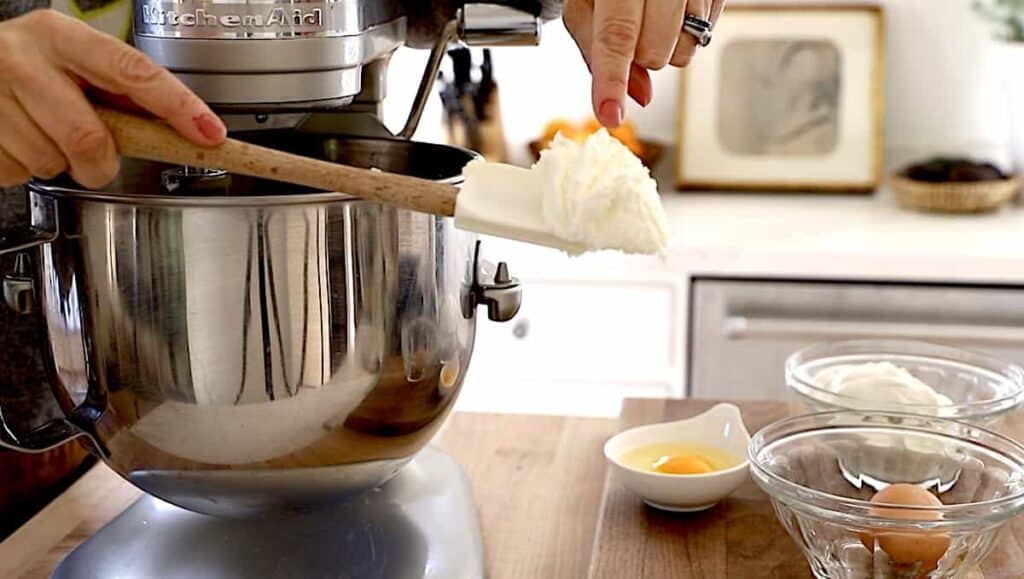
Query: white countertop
[[803, 236]]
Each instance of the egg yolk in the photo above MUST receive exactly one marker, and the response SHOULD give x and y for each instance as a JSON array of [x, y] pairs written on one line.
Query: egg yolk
[[679, 458], [685, 464]]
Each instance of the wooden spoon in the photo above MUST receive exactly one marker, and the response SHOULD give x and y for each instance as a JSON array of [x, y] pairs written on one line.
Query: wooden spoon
[[507, 203], [152, 140]]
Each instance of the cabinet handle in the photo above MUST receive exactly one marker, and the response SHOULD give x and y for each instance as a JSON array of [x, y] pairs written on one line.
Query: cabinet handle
[[763, 328]]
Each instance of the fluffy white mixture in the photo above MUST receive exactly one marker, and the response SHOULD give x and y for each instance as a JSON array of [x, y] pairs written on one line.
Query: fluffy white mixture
[[879, 382], [598, 194], [580, 196]]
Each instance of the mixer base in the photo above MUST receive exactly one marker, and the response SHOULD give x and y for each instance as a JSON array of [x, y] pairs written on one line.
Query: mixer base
[[422, 524]]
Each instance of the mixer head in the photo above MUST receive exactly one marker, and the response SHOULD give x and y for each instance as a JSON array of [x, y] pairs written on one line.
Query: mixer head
[[277, 60]]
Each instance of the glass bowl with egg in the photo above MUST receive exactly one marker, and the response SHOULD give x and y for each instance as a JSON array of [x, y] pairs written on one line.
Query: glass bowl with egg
[[889, 495], [905, 376]]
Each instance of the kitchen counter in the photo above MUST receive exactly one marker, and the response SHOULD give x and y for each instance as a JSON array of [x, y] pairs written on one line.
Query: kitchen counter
[[805, 235], [546, 505], [547, 533], [740, 537], [799, 235]]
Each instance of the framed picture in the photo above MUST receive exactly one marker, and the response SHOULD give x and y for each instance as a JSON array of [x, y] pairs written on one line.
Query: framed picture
[[786, 98]]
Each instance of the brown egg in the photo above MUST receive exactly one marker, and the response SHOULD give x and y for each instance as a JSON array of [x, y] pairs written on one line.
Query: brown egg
[[911, 546]]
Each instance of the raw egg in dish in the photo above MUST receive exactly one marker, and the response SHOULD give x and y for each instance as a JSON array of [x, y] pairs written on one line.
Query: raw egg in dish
[[922, 549], [679, 458]]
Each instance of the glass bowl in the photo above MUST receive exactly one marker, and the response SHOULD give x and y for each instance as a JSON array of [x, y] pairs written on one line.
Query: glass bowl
[[981, 389], [821, 470]]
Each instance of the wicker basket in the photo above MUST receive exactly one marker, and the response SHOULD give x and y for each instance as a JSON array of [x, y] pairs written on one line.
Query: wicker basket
[[959, 197]]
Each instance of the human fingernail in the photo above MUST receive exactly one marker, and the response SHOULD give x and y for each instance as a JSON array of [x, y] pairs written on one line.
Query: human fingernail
[[611, 113], [639, 94], [210, 126]]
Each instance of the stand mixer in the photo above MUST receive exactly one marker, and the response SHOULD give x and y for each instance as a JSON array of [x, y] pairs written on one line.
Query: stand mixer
[[268, 362]]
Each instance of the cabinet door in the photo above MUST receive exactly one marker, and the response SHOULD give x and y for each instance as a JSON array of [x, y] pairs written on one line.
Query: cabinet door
[[578, 343], [743, 330]]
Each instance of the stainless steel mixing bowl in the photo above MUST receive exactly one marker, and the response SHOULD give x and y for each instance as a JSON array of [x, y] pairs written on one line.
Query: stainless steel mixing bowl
[[237, 346]]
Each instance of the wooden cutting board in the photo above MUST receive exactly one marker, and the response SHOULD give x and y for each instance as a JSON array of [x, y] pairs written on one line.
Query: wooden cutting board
[[537, 481], [541, 490], [740, 537]]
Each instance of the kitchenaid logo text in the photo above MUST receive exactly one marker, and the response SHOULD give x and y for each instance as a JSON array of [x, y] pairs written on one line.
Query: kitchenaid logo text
[[283, 17]]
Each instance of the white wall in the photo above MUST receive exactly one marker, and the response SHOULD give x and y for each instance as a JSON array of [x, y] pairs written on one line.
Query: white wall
[[945, 91], [944, 94]]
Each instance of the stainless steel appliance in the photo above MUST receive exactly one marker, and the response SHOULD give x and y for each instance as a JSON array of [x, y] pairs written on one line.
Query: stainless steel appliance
[[275, 57], [249, 349], [762, 322]]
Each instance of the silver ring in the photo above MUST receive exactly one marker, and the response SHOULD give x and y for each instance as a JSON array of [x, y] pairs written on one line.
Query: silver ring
[[698, 28]]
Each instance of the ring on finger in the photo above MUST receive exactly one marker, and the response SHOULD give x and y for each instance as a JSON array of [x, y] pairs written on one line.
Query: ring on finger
[[698, 28]]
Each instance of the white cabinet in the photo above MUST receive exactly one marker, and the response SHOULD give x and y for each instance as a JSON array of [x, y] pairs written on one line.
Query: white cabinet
[[578, 347]]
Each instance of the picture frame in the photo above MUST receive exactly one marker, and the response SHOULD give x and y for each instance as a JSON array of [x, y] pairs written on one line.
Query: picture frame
[[788, 97]]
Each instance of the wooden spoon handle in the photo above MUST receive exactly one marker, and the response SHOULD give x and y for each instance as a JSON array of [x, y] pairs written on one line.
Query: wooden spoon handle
[[155, 141]]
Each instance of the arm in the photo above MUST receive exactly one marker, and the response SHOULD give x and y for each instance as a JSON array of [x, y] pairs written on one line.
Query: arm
[[622, 40], [48, 64]]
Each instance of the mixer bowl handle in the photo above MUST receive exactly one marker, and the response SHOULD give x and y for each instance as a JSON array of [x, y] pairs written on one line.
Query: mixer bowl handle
[[46, 437], [494, 289], [19, 293], [19, 285]]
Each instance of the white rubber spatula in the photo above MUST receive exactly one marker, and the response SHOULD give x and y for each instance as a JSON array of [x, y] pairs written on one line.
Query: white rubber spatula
[[507, 204], [507, 207]]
